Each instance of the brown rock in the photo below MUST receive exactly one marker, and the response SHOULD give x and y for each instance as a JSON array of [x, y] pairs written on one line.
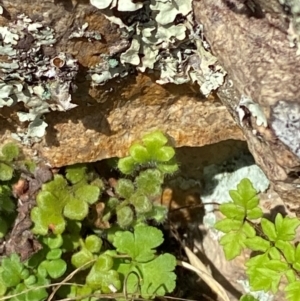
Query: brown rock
[[110, 117], [262, 66], [92, 133]]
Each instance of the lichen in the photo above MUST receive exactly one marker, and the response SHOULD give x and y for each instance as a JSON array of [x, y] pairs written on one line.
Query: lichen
[[255, 110], [106, 70], [82, 32], [163, 38], [120, 5], [27, 75], [285, 122], [219, 179], [293, 8]]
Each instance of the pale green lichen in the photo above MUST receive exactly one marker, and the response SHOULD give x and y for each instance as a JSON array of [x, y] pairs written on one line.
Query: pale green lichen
[[164, 38], [83, 33], [220, 179], [30, 77], [254, 108], [108, 69], [167, 11], [293, 7], [120, 5]]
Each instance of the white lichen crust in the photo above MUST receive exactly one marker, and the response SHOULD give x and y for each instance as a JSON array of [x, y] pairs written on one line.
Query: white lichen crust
[[27, 75], [163, 37], [82, 32], [285, 123], [293, 7], [255, 110], [220, 178]]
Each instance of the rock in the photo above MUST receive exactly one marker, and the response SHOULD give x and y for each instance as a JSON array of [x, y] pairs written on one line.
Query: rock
[[99, 131], [109, 118], [262, 67]]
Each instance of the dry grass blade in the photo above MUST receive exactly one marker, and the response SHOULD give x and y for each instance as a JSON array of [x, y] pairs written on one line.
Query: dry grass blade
[[32, 289], [70, 276], [199, 268]]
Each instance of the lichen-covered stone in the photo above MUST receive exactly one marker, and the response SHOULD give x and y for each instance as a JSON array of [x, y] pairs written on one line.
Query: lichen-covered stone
[[261, 66], [163, 37]]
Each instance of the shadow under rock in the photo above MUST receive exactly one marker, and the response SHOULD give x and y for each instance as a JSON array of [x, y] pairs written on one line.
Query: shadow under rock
[[67, 4], [9, 119], [250, 8], [271, 215]]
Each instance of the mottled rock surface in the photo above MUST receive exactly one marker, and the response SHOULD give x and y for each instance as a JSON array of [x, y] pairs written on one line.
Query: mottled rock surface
[[87, 135], [108, 118], [263, 67], [260, 63]]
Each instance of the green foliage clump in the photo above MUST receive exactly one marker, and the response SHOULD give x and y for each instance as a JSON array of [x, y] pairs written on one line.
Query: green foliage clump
[[9, 153], [144, 271], [29, 280], [276, 255], [17, 279], [61, 220], [136, 198], [132, 266], [61, 199], [48, 260], [88, 247], [152, 151], [236, 224], [148, 163]]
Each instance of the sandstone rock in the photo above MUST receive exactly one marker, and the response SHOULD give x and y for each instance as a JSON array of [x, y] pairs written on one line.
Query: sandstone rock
[[88, 134], [110, 117]]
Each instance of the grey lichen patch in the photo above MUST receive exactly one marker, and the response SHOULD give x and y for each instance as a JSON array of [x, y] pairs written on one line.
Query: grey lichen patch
[[120, 5], [168, 10], [259, 295], [285, 122], [106, 70], [82, 32], [255, 110], [203, 67], [164, 38], [219, 179], [293, 8], [42, 83]]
